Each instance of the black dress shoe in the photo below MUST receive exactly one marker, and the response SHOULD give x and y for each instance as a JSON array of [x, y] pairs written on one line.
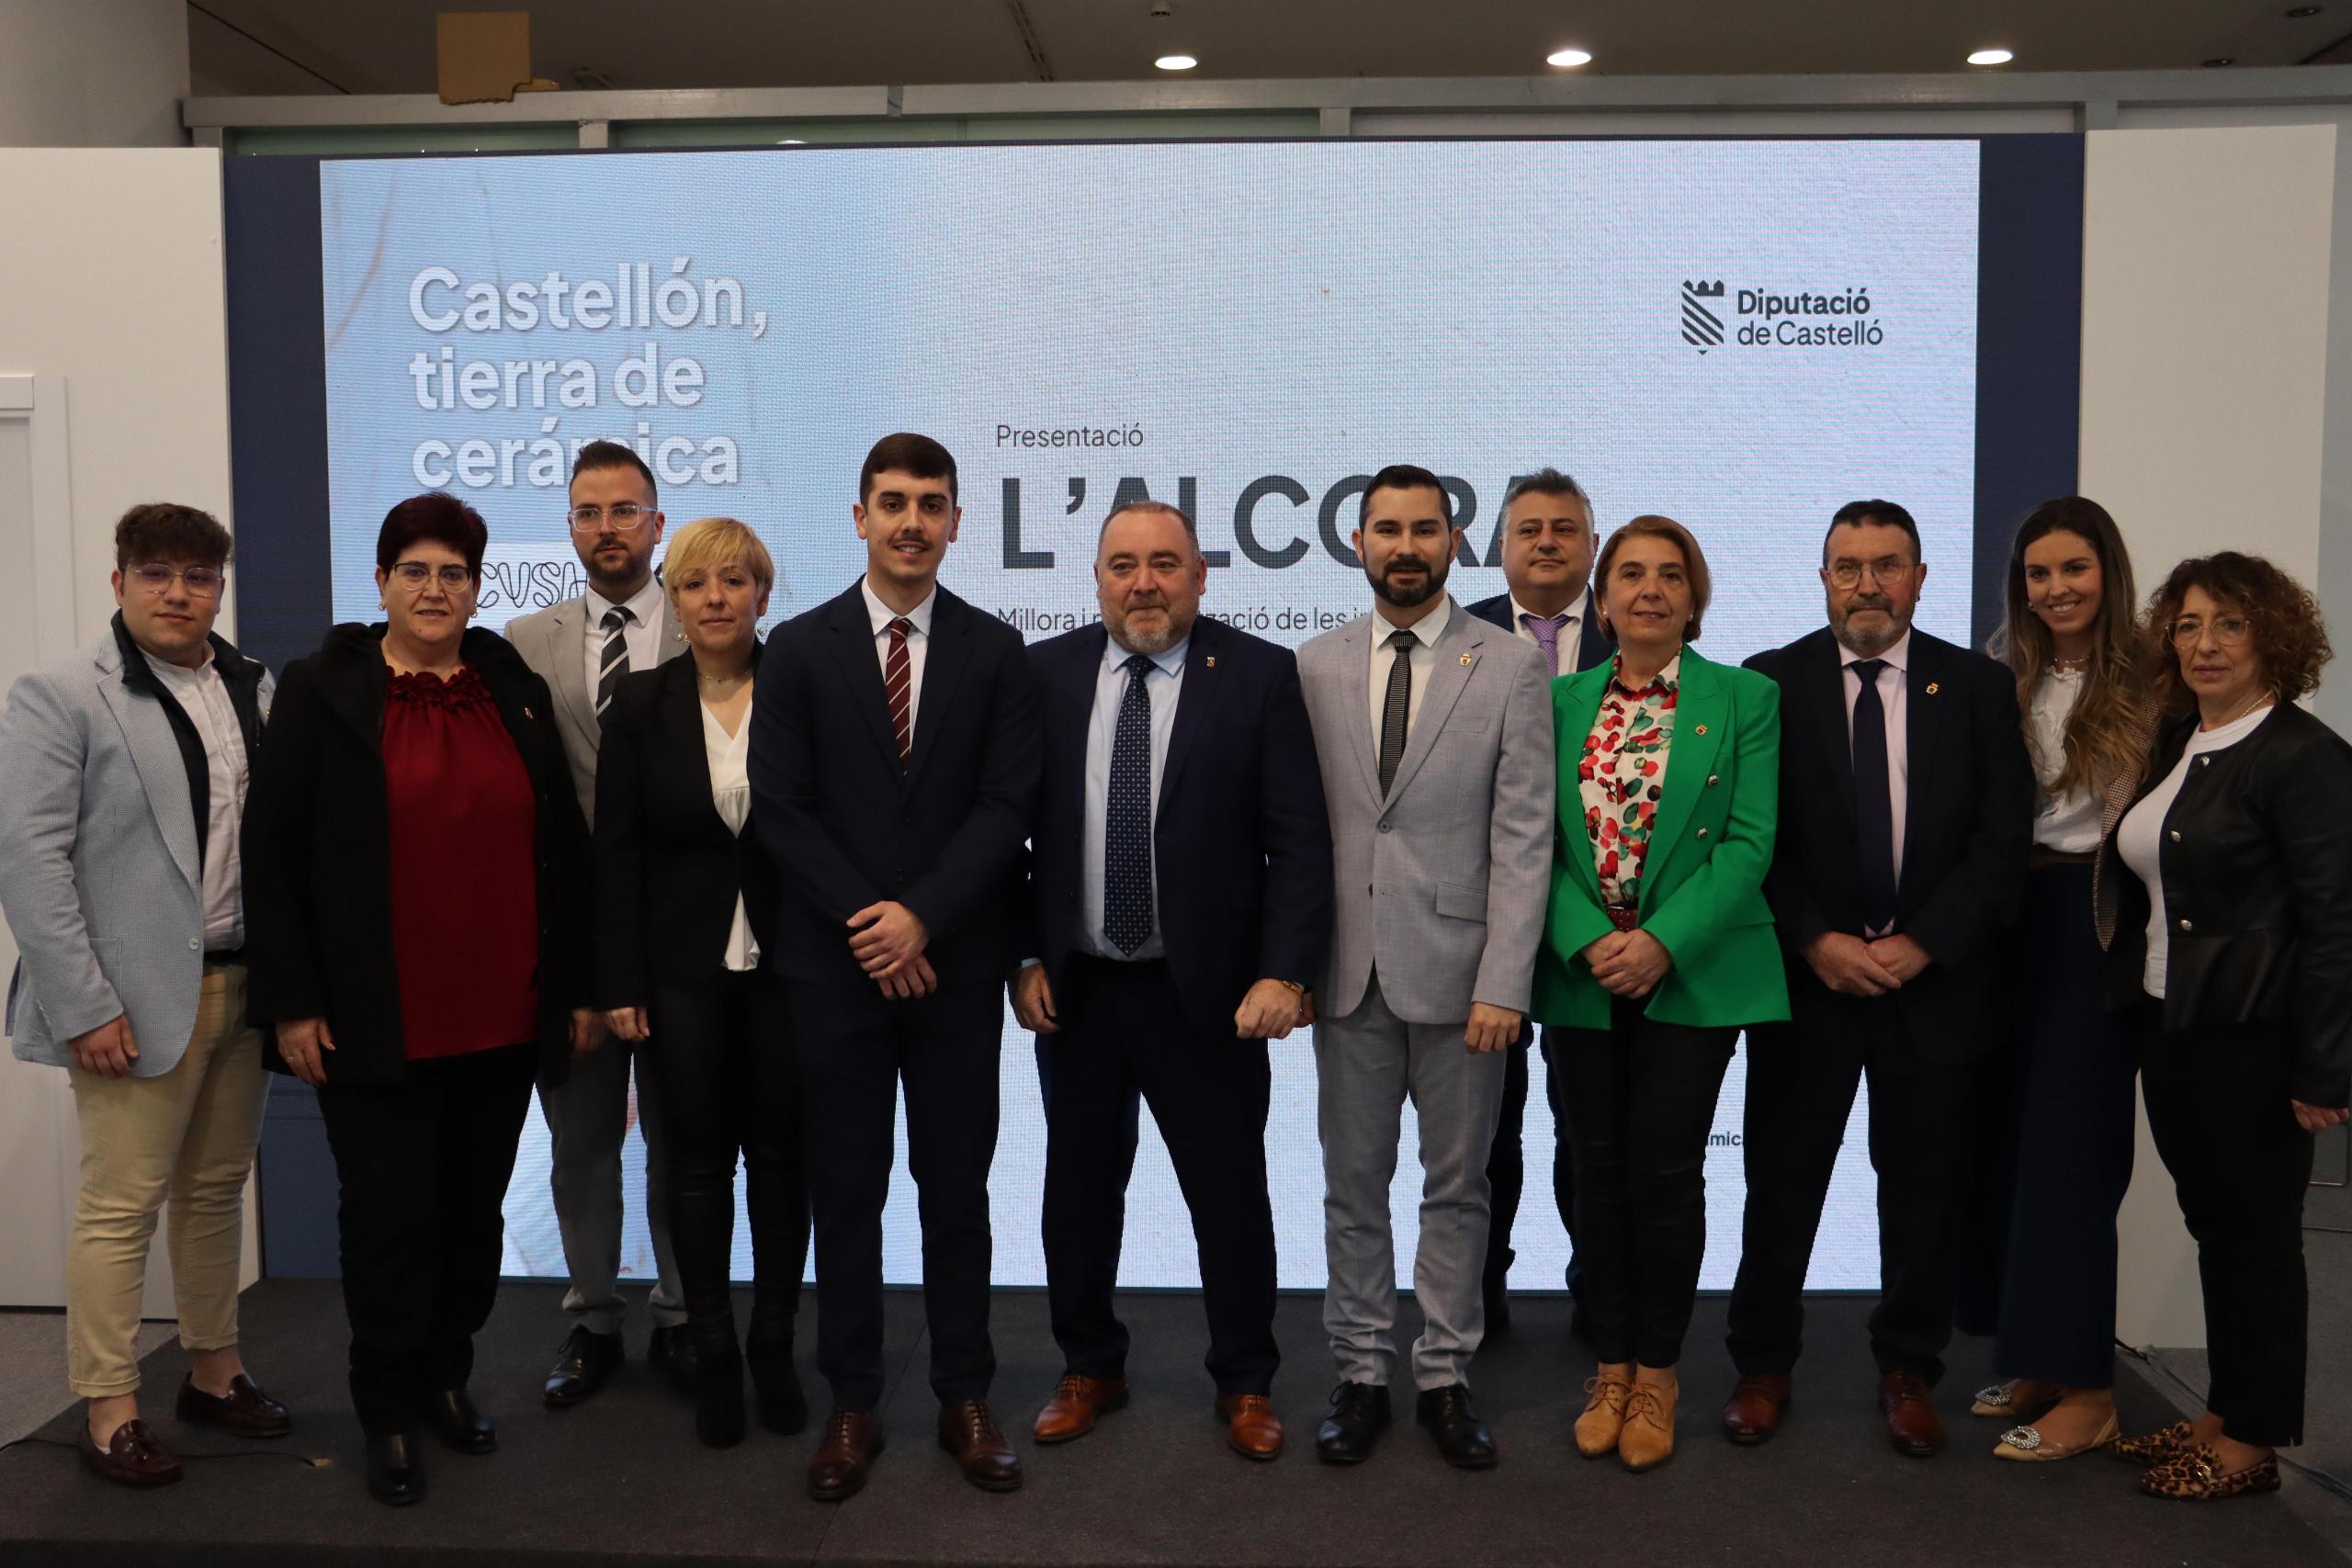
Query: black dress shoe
[[1359, 1413], [395, 1468], [245, 1410], [718, 1393], [672, 1349], [458, 1423], [784, 1409], [1461, 1438], [582, 1366]]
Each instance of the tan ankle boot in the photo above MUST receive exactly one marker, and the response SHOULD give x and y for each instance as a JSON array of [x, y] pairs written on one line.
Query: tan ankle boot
[[1604, 1414], [1647, 1439]]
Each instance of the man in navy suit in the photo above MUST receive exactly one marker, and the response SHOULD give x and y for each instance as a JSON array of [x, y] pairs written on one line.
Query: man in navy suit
[[1181, 893], [1548, 568]]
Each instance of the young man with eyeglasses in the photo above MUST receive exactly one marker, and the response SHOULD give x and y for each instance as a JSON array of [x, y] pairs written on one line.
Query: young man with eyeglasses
[[582, 648], [123, 771]]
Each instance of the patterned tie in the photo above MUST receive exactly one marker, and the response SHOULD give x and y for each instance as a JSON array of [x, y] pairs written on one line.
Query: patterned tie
[[1545, 629], [1395, 710], [614, 664], [1874, 800], [899, 684], [1126, 821]]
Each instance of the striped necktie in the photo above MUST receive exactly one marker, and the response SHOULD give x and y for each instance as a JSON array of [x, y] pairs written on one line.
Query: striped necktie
[[615, 662], [897, 684]]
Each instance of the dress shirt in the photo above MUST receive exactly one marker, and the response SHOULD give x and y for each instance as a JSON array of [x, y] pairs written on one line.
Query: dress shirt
[[2138, 838], [1164, 682], [204, 697], [1620, 777], [728, 757], [1571, 629], [880, 615], [644, 633], [1423, 653], [1893, 688], [2068, 824]]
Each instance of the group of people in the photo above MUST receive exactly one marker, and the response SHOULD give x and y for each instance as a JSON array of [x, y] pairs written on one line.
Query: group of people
[[429, 868]]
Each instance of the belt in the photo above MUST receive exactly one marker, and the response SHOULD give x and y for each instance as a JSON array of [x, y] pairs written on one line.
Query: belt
[[1620, 915], [2039, 857]]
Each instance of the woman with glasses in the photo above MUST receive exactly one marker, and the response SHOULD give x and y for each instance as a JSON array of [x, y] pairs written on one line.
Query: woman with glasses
[[2236, 939], [416, 926]]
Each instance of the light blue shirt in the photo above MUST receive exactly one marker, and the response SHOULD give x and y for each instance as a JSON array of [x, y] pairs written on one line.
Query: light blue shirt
[[1164, 682]]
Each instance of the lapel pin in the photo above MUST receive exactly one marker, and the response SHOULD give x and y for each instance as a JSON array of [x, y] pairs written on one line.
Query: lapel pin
[[1703, 730], [1210, 661], [1466, 661], [527, 713], [1931, 688]]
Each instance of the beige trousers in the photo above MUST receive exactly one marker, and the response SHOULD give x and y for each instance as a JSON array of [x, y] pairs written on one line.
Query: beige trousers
[[186, 1136]]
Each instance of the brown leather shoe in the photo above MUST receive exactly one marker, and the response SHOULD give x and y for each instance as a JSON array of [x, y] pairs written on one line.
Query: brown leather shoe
[[843, 1456], [968, 1431], [1752, 1413], [1913, 1428], [244, 1410], [131, 1458], [1079, 1401], [1251, 1424]]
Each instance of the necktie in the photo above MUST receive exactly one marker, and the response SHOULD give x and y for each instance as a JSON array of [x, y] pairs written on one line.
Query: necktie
[[897, 684], [615, 662], [1547, 631], [1395, 710], [1126, 820], [1873, 801]]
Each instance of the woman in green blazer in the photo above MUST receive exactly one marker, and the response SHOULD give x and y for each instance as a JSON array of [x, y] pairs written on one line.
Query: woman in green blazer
[[1658, 949]]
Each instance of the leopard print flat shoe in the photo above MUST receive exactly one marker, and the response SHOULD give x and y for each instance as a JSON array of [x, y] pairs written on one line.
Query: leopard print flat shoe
[[2196, 1477], [2157, 1448]]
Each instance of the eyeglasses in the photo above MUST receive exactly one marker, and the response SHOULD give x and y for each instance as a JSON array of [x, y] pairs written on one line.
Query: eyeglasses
[[2228, 631], [203, 582], [1849, 573], [625, 517], [413, 574]]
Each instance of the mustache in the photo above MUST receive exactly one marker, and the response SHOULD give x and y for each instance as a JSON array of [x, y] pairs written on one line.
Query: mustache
[[1870, 601]]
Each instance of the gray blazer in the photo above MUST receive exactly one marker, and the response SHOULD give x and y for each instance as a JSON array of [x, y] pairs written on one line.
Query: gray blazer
[[1441, 886], [98, 871], [552, 642]]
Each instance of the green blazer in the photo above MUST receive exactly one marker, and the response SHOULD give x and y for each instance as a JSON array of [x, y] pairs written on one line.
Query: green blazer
[[1702, 883]]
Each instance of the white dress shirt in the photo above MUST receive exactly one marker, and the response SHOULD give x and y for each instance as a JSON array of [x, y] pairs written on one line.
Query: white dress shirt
[[204, 697], [1894, 689], [1164, 683], [2138, 838], [2068, 824], [1571, 640], [644, 633], [1426, 632], [918, 641], [730, 793]]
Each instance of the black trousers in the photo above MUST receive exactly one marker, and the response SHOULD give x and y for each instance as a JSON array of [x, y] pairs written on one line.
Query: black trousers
[[2219, 1106], [1640, 1097], [424, 1166], [1124, 1039], [1800, 1084], [723, 1056], [1507, 1164], [856, 1047]]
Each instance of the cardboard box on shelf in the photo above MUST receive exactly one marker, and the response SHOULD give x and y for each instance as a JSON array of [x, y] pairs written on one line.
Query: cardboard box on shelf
[[485, 57]]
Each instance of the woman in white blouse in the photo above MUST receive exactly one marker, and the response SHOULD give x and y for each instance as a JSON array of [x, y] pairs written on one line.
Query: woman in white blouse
[[2072, 638], [683, 902]]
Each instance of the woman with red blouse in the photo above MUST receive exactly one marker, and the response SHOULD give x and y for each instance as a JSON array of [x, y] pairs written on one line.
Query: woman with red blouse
[[415, 914]]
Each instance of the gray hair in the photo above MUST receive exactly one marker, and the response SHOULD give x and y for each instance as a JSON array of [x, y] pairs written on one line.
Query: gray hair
[[1546, 480]]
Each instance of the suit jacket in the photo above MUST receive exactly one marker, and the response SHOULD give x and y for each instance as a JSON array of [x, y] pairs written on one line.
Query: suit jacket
[[847, 826], [1968, 823], [553, 642], [102, 850], [318, 857], [1703, 882], [1440, 886], [1241, 849], [668, 869], [2256, 861], [1594, 645]]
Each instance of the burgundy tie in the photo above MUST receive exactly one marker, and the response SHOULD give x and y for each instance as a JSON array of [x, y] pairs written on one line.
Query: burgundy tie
[[897, 683]]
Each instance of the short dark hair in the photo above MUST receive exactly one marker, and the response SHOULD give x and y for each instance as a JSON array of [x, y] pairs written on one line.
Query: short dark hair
[[908, 453], [613, 455], [1546, 480], [1405, 476], [435, 516], [1856, 514], [2288, 635], [166, 531]]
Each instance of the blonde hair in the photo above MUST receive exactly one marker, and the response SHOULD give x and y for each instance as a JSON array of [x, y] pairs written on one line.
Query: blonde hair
[[709, 543]]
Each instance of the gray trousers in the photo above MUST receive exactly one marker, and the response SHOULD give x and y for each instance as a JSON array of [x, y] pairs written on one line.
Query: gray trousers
[[587, 1119], [1366, 1066]]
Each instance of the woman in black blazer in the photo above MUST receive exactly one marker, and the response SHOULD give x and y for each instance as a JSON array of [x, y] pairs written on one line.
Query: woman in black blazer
[[416, 911], [687, 916], [2235, 939]]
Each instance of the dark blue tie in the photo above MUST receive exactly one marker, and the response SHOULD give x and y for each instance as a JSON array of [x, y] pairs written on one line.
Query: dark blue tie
[[1126, 821], [1874, 800]]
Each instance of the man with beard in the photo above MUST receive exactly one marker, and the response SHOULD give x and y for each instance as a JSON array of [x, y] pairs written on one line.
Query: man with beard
[[1180, 884], [1434, 731], [1906, 810], [582, 648]]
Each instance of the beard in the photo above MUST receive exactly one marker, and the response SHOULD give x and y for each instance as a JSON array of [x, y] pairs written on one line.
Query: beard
[[1164, 634], [602, 576], [1410, 596], [1872, 642]]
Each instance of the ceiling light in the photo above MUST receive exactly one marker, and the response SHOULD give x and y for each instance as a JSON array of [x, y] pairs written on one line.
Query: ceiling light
[[1564, 58], [2224, 59], [1175, 62], [2300, 12], [1991, 57], [793, 142]]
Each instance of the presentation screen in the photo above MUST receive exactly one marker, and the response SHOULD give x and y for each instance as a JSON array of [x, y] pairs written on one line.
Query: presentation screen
[[1740, 334]]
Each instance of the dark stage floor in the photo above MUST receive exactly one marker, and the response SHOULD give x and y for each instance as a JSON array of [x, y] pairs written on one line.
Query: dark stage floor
[[623, 1480]]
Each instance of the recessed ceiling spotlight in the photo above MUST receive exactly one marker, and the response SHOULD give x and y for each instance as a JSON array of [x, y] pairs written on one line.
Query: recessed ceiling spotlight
[[2224, 59], [2300, 12], [1991, 57], [794, 142], [1565, 58], [1175, 62]]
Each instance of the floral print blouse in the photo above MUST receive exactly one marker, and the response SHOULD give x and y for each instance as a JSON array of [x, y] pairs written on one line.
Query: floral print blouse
[[1621, 776]]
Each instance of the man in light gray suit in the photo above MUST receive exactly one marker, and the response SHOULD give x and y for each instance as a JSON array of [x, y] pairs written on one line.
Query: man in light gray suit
[[582, 648], [1434, 729]]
